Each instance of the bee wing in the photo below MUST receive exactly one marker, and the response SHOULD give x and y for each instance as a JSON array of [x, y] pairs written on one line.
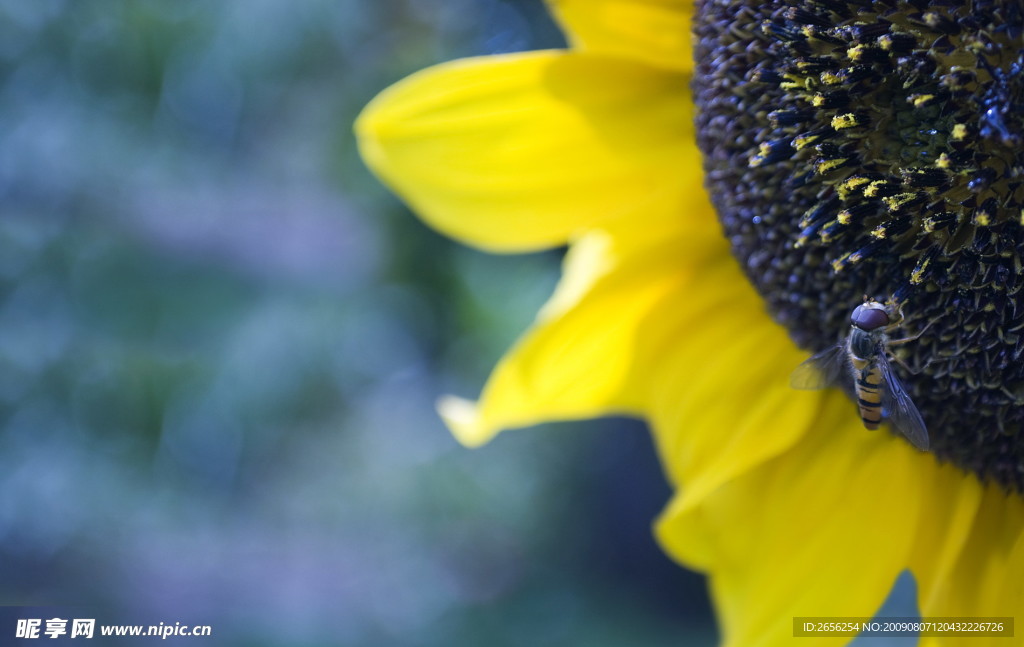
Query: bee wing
[[821, 370], [900, 408]]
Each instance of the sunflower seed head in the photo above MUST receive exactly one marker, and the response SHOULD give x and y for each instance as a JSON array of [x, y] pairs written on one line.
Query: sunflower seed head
[[877, 147]]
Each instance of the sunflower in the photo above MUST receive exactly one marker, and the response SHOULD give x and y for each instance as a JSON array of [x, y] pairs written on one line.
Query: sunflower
[[849, 148]]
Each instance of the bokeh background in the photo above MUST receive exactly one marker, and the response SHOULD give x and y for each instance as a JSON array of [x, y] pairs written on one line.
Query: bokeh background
[[221, 341]]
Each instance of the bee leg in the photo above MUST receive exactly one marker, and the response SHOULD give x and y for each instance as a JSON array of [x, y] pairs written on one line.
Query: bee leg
[[932, 360], [905, 340], [905, 365]]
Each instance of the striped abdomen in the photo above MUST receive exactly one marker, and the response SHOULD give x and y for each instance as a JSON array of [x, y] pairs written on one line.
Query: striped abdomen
[[867, 383]]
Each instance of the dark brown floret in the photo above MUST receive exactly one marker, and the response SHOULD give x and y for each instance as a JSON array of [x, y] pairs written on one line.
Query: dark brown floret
[[877, 147]]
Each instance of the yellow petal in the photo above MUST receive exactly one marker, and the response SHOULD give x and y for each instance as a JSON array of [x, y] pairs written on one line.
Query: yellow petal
[[628, 330], [523, 151], [653, 31], [707, 347], [951, 510], [576, 362], [987, 578], [721, 401], [820, 530], [585, 355]]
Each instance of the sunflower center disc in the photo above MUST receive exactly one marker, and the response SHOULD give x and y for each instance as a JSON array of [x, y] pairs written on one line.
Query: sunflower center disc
[[877, 148]]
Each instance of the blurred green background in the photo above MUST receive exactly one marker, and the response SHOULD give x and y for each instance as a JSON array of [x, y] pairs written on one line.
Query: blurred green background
[[221, 341]]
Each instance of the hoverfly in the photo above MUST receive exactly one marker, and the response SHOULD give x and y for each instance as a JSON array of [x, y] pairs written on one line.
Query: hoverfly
[[863, 357]]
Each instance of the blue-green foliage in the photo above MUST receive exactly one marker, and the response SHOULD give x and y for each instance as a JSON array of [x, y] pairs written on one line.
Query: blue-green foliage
[[221, 341]]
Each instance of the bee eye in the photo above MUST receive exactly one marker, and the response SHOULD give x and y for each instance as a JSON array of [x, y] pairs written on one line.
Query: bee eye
[[867, 318]]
